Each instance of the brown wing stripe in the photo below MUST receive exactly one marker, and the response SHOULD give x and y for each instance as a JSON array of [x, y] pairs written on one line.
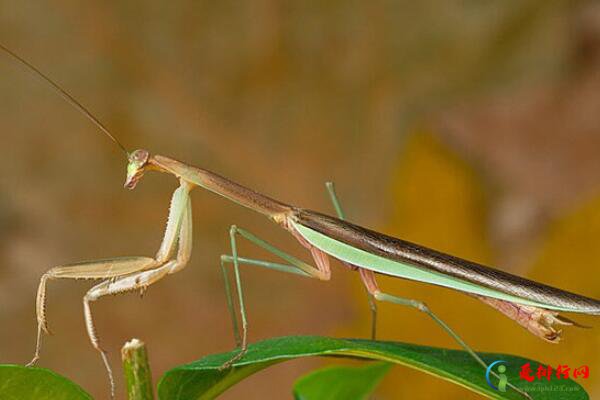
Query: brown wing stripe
[[420, 256]]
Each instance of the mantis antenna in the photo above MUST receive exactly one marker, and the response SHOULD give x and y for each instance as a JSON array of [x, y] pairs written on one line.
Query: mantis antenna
[[68, 98]]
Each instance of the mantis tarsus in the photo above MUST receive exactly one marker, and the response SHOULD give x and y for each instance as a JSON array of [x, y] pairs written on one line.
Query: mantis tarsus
[[533, 305]]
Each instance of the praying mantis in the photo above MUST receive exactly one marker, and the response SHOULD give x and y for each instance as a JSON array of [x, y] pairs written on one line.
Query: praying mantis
[[531, 304]]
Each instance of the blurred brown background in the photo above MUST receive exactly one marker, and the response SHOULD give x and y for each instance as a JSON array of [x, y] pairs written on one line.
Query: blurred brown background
[[469, 126]]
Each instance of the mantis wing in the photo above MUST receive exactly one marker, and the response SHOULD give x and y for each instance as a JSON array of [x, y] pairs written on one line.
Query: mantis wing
[[390, 256]]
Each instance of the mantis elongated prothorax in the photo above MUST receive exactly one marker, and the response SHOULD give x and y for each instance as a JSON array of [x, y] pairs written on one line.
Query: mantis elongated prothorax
[[533, 305]]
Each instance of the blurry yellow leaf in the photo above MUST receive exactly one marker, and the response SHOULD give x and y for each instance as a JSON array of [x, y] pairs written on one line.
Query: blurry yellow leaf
[[438, 200]]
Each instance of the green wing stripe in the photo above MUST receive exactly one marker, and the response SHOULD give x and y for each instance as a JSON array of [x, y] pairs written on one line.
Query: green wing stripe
[[364, 259]]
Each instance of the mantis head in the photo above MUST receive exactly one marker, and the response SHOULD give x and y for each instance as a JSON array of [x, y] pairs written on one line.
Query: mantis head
[[138, 162]]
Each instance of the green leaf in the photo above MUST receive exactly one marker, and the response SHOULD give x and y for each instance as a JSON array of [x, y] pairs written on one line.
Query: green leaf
[[340, 382], [202, 379], [28, 383]]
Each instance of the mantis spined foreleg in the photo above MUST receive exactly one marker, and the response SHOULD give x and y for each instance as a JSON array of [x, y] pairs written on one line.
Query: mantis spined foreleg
[[127, 273]]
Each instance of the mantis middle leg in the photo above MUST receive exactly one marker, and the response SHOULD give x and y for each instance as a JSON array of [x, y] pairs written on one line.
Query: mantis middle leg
[[295, 266]]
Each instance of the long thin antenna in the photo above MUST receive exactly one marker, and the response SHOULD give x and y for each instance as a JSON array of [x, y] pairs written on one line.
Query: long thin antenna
[[70, 99]]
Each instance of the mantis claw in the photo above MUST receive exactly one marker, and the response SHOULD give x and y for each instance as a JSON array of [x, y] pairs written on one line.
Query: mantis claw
[[228, 364], [33, 362]]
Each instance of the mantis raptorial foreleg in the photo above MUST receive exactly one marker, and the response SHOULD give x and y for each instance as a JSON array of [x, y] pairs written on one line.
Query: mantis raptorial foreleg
[[296, 266], [127, 273]]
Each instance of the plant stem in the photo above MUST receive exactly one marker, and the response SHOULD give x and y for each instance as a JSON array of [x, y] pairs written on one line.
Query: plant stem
[[138, 377]]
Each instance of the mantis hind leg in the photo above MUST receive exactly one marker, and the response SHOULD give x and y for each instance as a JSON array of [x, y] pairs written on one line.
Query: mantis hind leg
[[340, 213], [294, 266], [368, 278]]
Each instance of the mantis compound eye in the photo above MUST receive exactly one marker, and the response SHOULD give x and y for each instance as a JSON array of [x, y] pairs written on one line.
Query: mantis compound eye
[[135, 168], [139, 157]]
